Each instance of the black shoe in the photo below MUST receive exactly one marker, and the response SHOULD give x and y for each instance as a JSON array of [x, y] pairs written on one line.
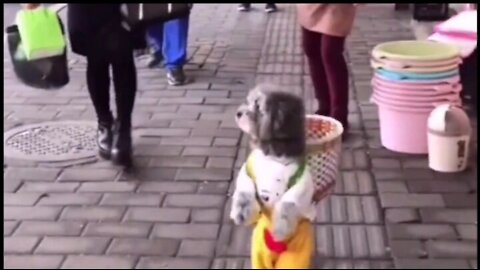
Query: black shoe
[[176, 77], [270, 8], [104, 140], [122, 145], [243, 7], [154, 62]]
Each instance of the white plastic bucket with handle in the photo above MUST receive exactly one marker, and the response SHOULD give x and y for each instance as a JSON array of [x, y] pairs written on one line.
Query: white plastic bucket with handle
[[448, 139]]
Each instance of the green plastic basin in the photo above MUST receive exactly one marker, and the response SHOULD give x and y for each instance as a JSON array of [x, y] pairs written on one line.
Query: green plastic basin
[[419, 50]]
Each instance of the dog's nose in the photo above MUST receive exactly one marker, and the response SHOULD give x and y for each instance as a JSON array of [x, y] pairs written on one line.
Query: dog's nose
[[239, 114], [265, 198]]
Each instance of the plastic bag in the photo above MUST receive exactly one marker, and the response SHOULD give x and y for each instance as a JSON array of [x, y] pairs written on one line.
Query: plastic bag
[[41, 33], [46, 73]]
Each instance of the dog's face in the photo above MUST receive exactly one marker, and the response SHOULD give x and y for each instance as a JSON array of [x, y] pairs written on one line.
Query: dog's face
[[274, 119]]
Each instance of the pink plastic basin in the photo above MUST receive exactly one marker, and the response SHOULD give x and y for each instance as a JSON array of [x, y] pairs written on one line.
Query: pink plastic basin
[[402, 96], [403, 131], [417, 89], [404, 102]]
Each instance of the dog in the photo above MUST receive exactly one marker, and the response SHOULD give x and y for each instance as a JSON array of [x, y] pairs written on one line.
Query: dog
[[274, 188]]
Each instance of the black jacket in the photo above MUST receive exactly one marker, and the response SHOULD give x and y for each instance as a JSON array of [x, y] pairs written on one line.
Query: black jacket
[[86, 22]]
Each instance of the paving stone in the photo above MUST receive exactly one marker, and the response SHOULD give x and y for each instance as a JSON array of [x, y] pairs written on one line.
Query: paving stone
[[209, 151], [108, 187], [70, 199], [173, 263], [32, 261], [98, 262], [179, 162], [234, 241], [126, 229], [30, 213], [206, 215], [231, 263], [458, 216], [187, 141], [21, 199], [155, 214], [460, 200], [47, 228], [19, 244], [157, 150], [49, 187], [82, 175], [431, 264], [155, 174], [167, 187], [411, 200], [392, 187], [421, 231], [220, 188], [467, 232], [197, 248], [437, 186], [120, 199], [401, 215], [203, 175], [32, 174], [97, 213], [186, 231], [408, 249], [220, 163], [452, 249], [144, 247], [72, 245], [9, 227], [194, 200]]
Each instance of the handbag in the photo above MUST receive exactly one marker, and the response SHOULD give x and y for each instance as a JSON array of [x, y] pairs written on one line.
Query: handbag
[[146, 14]]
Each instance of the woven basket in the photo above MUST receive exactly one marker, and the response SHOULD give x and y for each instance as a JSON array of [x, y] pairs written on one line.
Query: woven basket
[[324, 146]]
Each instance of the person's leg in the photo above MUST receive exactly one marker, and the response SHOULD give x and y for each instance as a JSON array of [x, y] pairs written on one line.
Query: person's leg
[[337, 76], [125, 82], [175, 42], [244, 7], [270, 7], [98, 84], [312, 49], [155, 41]]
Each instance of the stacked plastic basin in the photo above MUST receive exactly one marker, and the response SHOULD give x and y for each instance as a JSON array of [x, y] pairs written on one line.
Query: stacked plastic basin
[[411, 78]]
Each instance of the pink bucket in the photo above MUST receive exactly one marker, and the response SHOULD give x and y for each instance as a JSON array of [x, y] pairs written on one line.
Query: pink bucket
[[403, 130]]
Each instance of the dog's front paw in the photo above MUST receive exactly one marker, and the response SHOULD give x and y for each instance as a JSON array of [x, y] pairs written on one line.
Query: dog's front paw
[[285, 221], [244, 209]]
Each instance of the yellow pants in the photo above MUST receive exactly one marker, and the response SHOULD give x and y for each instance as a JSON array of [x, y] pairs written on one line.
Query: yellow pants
[[299, 248]]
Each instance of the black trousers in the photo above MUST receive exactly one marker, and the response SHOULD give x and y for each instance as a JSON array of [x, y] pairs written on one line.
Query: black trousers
[[112, 48]]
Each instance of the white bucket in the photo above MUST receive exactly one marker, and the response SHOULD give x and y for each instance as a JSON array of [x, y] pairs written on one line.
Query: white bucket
[[448, 154]]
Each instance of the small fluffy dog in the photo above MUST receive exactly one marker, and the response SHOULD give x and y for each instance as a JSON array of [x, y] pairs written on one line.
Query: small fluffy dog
[[274, 188]]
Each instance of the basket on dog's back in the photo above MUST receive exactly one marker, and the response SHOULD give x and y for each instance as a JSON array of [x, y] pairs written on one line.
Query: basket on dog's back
[[324, 146]]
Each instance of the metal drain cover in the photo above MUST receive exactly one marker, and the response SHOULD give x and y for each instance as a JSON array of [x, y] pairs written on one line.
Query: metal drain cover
[[51, 141]]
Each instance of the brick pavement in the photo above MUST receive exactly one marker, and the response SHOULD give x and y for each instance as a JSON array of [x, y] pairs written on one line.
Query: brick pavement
[[387, 211]]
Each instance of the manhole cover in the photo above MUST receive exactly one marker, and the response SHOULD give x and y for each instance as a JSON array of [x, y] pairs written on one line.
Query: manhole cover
[[51, 141]]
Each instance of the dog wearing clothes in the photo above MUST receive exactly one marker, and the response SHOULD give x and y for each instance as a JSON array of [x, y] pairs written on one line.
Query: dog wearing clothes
[[274, 188]]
